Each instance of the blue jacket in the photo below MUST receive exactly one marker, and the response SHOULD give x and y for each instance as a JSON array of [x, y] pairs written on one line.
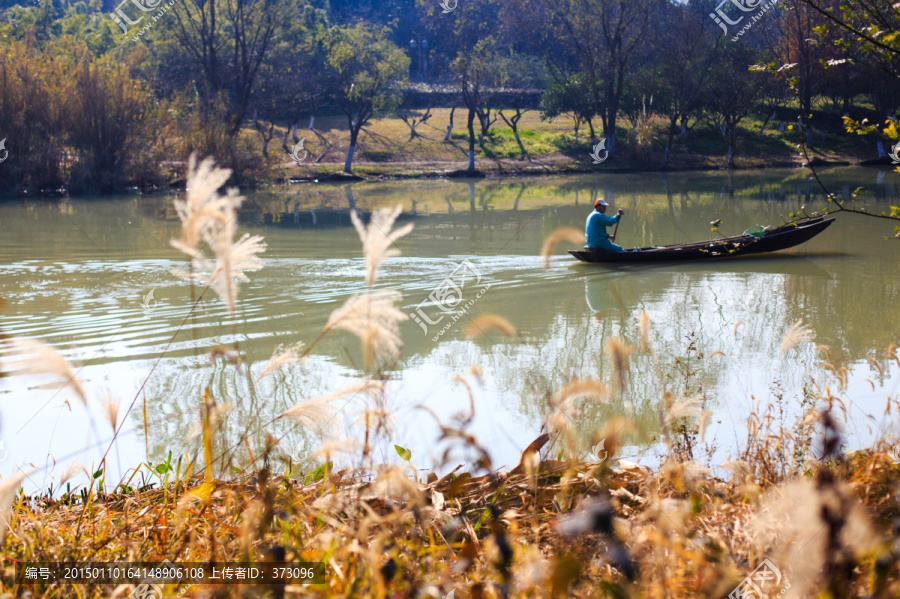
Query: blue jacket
[[595, 227]]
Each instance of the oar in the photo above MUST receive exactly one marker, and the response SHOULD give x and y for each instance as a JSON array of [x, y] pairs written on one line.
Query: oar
[[616, 230]]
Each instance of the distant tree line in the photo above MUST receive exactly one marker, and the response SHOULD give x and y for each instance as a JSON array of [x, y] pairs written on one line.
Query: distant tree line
[[89, 107]]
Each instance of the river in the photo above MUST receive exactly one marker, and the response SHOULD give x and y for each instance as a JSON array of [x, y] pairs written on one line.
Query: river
[[78, 274]]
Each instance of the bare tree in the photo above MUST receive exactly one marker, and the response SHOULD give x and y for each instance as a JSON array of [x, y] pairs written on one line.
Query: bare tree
[[229, 39], [483, 112], [513, 123], [413, 119], [265, 135]]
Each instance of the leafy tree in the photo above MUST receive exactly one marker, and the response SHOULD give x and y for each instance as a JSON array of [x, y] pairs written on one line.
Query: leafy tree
[[571, 97], [687, 50], [477, 71], [873, 27], [734, 90], [469, 37], [608, 38], [296, 80], [367, 69]]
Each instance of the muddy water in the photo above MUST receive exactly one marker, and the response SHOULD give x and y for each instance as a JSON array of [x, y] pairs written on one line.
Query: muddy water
[[93, 278]]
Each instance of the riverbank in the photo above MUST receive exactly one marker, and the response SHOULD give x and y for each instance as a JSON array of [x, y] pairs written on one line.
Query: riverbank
[[388, 151], [592, 528]]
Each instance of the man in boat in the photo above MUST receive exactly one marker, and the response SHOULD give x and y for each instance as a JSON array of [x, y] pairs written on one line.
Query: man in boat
[[595, 228]]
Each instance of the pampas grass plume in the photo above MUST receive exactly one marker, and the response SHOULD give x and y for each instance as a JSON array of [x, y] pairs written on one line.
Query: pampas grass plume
[[485, 322], [110, 405], [41, 358], [378, 237], [569, 234], [619, 351], [318, 412], [281, 357], [208, 217], [645, 331], [374, 318], [8, 489], [688, 407], [797, 333]]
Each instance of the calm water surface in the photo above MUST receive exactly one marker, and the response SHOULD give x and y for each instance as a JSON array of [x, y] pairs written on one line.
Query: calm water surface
[[75, 273]]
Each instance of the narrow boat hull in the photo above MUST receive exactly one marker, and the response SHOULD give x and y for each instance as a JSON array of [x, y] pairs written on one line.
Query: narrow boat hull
[[782, 238]]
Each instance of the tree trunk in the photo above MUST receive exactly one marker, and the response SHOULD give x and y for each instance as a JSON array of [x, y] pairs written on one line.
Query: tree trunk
[[519, 141], [762, 130], [348, 192], [312, 122], [590, 123], [673, 123], [471, 125], [513, 123], [484, 120], [354, 135], [613, 93], [450, 125], [731, 144]]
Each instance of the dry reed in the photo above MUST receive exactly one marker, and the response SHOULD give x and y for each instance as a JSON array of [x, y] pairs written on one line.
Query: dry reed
[[487, 322], [568, 234]]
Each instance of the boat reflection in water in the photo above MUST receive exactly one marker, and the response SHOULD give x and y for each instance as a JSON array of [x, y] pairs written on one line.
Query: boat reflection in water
[[603, 297]]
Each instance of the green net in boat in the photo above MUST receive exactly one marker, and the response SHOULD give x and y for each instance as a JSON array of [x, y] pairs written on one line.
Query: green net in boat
[[755, 231]]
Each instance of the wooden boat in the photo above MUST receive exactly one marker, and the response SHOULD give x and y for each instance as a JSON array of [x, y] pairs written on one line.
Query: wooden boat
[[779, 238]]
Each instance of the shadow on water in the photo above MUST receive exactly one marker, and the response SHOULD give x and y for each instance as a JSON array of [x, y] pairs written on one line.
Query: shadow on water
[[776, 263]]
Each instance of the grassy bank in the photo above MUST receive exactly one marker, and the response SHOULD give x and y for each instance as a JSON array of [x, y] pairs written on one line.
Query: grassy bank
[[386, 150]]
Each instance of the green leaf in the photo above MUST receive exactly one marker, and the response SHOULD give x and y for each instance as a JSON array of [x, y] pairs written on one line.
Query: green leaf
[[98, 474], [404, 453], [166, 466], [319, 473]]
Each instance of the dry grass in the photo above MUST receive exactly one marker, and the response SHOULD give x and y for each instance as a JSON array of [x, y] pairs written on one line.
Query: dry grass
[[630, 532]]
